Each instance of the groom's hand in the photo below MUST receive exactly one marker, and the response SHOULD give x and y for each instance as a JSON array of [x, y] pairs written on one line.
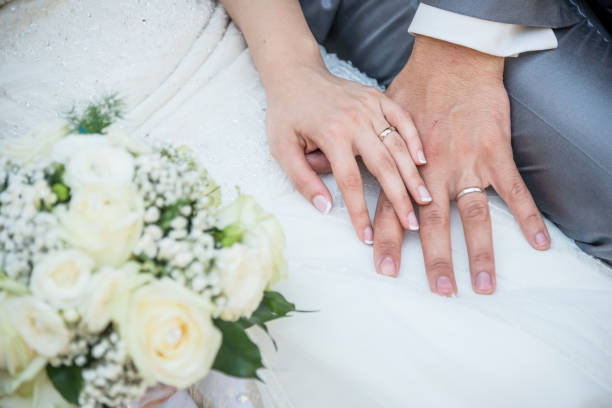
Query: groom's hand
[[457, 99]]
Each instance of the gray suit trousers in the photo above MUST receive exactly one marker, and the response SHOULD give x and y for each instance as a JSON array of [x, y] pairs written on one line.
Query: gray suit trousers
[[561, 104]]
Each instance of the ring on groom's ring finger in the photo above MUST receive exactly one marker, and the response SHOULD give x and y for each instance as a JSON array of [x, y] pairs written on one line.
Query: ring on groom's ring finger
[[468, 191], [386, 133]]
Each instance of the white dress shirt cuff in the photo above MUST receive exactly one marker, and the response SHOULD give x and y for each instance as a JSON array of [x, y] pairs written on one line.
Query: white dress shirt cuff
[[489, 37]]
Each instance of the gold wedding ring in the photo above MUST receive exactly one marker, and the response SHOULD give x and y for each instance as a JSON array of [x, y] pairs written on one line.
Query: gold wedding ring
[[386, 133], [468, 191]]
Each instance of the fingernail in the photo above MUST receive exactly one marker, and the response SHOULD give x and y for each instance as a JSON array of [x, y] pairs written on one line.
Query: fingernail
[[368, 236], [424, 194], [483, 282], [413, 223], [541, 239], [444, 286], [322, 203], [387, 267], [421, 157]]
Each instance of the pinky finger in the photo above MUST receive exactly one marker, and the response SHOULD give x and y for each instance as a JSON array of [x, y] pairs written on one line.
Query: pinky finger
[[401, 120], [514, 192]]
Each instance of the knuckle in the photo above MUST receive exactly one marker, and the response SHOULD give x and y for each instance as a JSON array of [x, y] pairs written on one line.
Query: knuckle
[[531, 218], [386, 246], [384, 164], [397, 143], [351, 182], [439, 266], [482, 258], [517, 188], [334, 127], [434, 217], [476, 210]]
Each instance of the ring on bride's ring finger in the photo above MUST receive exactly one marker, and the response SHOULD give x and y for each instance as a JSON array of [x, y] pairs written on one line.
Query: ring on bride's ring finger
[[469, 190], [385, 133]]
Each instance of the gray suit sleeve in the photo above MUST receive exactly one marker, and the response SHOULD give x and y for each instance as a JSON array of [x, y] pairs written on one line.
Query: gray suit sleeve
[[536, 13]]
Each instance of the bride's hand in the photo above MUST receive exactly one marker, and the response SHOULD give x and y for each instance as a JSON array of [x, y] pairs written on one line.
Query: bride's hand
[[312, 109], [458, 101]]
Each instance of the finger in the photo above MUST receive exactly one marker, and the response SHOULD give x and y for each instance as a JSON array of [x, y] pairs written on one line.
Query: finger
[[318, 162], [388, 234], [435, 240], [380, 163], [401, 120], [511, 187], [347, 175], [476, 219], [304, 179], [413, 180]]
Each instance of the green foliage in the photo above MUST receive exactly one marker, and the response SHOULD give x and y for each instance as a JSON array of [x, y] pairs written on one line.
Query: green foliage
[[55, 178], [62, 192], [170, 212], [97, 116], [238, 355], [228, 236], [55, 174], [273, 306], [67, 380]]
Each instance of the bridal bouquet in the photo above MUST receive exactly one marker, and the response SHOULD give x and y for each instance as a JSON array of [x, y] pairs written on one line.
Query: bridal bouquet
[[119, 270]]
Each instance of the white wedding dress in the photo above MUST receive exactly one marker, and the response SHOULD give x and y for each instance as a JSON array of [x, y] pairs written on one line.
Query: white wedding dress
[[543, 340]]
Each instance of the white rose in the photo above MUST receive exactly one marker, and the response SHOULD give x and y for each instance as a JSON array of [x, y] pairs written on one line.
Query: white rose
[[108, 166], [15, 355], [16, 358], [169, 334], [261, 232], [38, 324], [98, 306], [36, 145], [104, 222], [73, 144], [242, 280], [39, 393], [268, 240], [61, 278]]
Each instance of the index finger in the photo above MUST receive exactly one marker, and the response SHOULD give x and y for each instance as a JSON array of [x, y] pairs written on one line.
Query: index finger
[[348, 177]]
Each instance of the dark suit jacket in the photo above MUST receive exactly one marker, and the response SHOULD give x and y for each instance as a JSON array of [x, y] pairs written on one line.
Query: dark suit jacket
[[537, 13]]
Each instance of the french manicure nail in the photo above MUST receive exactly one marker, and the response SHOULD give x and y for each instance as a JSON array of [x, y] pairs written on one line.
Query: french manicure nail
[[483, 282], [387, 267], [368, 236], [421, 157], [444, 286], [413, 223], [424, 194], [541, 239], [322, 203]]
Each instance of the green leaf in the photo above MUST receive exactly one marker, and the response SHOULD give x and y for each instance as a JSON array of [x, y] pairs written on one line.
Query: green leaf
[[228, 236], [97, 116], [273, 306], [238, 355], [67, 380]]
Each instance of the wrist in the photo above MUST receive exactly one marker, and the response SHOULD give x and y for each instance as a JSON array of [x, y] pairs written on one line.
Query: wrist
[[455, 60], [280, 67]]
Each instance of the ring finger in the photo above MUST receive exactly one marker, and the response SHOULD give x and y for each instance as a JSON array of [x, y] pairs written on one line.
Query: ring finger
[[396, 146], [476, 218]]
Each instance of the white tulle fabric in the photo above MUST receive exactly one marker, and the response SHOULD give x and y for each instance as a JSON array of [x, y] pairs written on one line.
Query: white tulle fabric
[[544, 338]]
